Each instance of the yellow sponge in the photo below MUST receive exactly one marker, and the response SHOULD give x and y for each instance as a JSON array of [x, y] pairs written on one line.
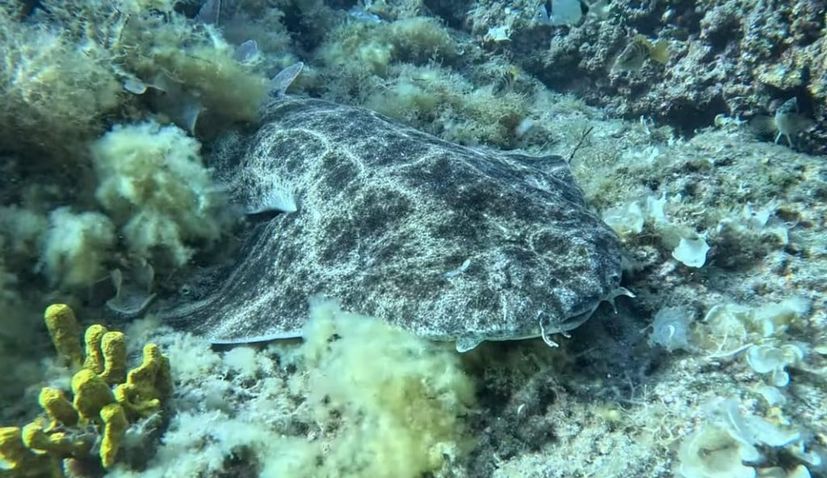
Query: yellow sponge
[[65, 332], [70, 429], [114, 428], [59, 409]]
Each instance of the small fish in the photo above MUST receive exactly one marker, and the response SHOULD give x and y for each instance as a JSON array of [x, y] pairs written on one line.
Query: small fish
[[187, 114], [161, 83], [498, 34], [559, 12], [786, 122], [209, 12], [638, 50], [376, 9], [27, 7], [246, 52], [599, 9], [283, 79], [183, 109], [360, 14], [137, 86], [134, 86], [541, 15], [459, 270], [505, 82]]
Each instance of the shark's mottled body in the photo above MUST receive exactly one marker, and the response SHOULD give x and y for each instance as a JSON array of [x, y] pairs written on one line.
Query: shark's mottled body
[[449, 242]]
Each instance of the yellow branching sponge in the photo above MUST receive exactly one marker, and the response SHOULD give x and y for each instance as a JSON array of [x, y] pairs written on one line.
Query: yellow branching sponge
[[65, 331], [113, 349], [39, 437], [94, 355], [114, 427], [59, 409], [106, 399], [146, 385], [91, 393], [23, 462]]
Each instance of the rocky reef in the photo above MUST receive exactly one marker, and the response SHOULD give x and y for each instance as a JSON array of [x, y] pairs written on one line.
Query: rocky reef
[[694, 130]]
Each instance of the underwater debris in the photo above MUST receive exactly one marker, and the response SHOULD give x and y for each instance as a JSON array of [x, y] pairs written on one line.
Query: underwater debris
[[96, 419], [732, 443], [691, 251], [670, 328]]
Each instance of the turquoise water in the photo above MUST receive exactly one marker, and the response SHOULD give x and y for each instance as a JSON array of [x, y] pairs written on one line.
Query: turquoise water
[[694, 130]]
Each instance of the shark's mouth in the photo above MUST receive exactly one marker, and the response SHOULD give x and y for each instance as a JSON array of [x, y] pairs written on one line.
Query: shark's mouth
[[580, 315]]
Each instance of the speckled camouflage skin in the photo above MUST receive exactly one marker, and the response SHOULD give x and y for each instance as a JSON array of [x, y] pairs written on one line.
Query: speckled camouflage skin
[[449, 242]]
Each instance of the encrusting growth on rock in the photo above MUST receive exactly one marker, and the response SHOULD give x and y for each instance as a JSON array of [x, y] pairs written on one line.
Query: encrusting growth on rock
[[106, 400]]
